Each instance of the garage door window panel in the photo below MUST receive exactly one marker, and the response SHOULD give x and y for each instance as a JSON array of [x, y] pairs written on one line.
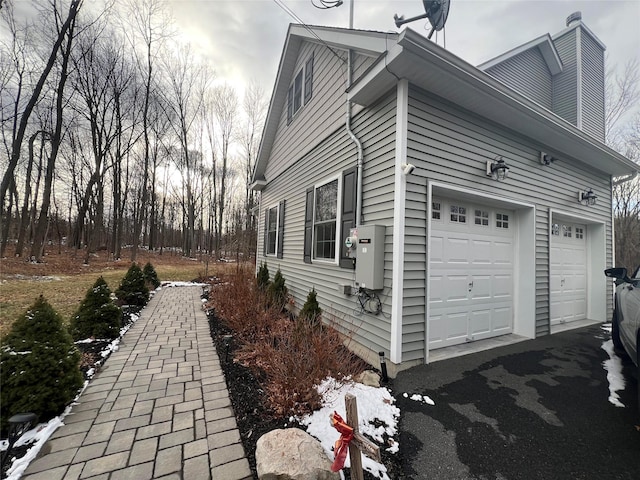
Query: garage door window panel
[[482, 218], [458, 214]]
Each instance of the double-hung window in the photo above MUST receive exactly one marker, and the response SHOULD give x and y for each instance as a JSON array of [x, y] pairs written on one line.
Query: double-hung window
[[274, 230], [301, 87], [330, 214], [325, 220]]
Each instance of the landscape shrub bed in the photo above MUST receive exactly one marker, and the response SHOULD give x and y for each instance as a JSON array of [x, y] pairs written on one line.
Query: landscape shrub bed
[[291, 354]]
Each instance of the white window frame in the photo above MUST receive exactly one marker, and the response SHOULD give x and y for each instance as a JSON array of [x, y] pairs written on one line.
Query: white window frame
[[336, 259], [291, 91], [275, 250]]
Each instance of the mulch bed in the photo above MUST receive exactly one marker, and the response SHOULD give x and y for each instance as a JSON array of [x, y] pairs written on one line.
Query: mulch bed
[[253, 415]]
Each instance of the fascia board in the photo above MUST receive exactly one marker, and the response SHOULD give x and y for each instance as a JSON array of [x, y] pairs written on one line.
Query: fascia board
[[437, 70], [547, 49]]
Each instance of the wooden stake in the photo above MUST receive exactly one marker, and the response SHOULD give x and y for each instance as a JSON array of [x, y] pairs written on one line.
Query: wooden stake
[[359, 444]]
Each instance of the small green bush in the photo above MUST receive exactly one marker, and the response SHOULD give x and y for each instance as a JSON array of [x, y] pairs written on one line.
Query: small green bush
[[263, 277], [38, 365], [311, 310], [97, 315], [150, 275], [277, 293], [132, 290]]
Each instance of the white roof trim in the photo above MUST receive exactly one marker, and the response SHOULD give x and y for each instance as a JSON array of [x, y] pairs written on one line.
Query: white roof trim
[[543, 43], [436, 70], [577, 24], [364, 41]]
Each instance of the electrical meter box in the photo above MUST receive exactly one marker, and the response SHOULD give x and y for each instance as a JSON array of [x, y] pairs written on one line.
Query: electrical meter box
[[370, 257]]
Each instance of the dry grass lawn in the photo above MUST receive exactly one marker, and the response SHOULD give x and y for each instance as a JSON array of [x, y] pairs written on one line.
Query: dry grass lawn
[[63, 280]]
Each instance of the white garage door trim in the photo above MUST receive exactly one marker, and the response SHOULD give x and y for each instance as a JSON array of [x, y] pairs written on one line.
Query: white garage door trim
[[525, 281], [596, 251]]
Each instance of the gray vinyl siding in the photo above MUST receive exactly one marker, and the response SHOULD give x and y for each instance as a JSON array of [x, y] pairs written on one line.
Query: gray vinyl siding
[[323, 113], [565, 84], [451, 146], [528, 74], [592, 87], [334, 153]]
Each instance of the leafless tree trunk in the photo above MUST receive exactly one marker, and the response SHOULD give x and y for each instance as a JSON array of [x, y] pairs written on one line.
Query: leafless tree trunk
[[37, 248], [16, 147], [225, 103]]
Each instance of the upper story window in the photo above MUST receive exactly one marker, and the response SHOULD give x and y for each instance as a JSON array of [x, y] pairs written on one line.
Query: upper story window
[[303, 81]]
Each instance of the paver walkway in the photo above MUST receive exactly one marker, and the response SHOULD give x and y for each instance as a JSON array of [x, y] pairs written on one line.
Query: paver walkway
[[158, 409]]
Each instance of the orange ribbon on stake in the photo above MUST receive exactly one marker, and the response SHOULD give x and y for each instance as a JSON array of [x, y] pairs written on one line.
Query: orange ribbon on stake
[[342, 444]]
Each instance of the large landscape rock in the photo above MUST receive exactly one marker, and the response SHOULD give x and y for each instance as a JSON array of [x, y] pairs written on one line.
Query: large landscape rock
[[292, 454], [369, 378]]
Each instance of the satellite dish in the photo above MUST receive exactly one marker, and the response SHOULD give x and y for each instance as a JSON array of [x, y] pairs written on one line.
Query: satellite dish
[[436, 11]]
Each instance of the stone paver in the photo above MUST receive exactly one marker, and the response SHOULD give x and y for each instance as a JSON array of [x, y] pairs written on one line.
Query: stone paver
[[158, 409]]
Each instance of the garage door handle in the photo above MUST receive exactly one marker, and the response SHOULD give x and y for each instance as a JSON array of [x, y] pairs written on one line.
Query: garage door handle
[[470, 285], [629, 287], [562, 282]]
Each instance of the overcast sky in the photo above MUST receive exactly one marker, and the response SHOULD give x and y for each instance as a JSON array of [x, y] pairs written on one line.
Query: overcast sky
[[244, 38]]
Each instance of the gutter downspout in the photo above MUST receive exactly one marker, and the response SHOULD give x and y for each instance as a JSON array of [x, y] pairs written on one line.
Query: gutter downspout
[[352, 135]]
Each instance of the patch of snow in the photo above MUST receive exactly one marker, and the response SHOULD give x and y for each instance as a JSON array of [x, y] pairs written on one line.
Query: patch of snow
[[183, 284], [416, 397], [374, 404], [613, 366]]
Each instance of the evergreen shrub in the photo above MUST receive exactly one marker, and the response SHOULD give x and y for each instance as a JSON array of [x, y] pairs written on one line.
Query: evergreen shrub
[[39, 365], [150, 275], [133, 290], [263, 277], [97, 316], [311, 310], [277, 292]]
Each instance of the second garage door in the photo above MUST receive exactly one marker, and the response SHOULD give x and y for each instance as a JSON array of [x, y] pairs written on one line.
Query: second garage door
[[568, 272], [471, 272]]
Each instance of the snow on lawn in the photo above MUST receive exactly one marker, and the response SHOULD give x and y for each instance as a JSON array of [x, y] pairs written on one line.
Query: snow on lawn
[[37, 436], [374, 404], [613, 366], [183, 284]]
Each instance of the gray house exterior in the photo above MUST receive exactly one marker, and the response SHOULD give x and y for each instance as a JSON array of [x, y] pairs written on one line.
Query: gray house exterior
[[447, 258]]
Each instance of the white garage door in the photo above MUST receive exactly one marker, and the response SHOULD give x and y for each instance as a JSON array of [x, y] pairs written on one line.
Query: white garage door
[[568, 283], [471, 272]]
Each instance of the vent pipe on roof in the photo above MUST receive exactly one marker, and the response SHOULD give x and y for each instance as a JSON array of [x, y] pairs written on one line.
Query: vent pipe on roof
[[574, 17]]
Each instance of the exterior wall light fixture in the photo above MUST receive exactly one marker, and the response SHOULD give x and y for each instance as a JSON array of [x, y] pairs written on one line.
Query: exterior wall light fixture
[[546, 159], [497, 169], [587, 198]]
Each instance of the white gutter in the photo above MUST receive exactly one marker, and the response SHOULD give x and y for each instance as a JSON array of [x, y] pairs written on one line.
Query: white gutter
[[354, 139], [625, 179]]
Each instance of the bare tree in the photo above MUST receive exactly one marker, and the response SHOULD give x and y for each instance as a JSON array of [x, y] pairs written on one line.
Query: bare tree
[[16, 145], [254, 109], [623, 96], [151, 27], [187, 83], [225, 103]]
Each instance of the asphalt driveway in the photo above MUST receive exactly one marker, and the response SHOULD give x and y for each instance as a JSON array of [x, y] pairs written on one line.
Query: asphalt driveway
[[538, 409]]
